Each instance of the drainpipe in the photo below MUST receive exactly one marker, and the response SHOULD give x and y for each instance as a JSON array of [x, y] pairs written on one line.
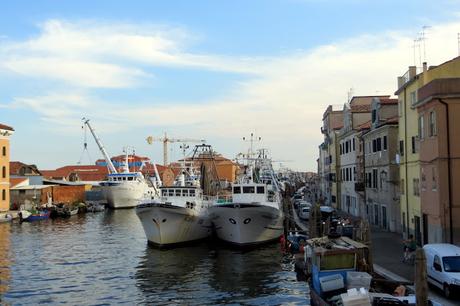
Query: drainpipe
[[405, 163], [451, 231]]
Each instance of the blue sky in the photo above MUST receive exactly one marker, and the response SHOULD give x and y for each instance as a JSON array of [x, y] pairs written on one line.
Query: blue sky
[[201, 69]]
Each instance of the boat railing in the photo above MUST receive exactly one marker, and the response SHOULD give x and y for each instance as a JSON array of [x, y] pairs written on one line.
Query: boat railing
[[223, 199]]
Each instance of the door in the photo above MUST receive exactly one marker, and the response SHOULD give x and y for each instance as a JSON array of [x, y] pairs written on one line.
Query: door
[[425, 228], [384, 217], [418, 234]]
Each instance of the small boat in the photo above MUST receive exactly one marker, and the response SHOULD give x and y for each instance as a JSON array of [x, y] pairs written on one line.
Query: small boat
[[94, 207], [35, 215], [6, 218], [339, 274]]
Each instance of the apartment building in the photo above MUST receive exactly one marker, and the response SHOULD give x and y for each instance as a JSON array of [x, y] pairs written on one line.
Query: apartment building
[[5, 133]]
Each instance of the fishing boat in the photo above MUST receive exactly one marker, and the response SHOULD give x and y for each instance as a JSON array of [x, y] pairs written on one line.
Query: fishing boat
[[253, 213], [123, 189], [180, 214]]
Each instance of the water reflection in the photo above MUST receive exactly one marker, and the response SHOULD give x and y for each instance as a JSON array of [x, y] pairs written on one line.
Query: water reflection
[[104, 259], [5, 261]]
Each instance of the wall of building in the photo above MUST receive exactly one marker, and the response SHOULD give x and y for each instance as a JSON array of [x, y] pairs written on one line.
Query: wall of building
[[68, 194], [4, 179]]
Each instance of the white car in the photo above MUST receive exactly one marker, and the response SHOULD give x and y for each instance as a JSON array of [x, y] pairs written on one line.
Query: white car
[[443, 266]]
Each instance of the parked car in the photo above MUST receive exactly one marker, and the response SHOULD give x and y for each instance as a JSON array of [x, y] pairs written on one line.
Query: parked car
[[443, 267], [304, 212]]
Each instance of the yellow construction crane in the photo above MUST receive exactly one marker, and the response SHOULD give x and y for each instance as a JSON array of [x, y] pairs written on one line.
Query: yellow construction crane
[[167, 140]]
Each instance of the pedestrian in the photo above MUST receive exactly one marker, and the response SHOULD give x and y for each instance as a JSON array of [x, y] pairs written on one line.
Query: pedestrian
[[410, 245]]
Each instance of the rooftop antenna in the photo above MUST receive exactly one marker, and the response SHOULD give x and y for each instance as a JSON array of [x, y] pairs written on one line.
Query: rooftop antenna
[[458, 42], [424, 38], [350, 94]]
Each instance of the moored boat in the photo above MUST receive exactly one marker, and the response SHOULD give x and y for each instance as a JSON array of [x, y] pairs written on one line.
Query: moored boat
[[253, 213], [180, 214], [34, 215]]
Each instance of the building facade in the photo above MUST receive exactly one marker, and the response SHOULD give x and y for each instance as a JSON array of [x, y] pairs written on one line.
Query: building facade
[[409, 143], [5, 133], [381, 177], [438, 108], [329, 158]]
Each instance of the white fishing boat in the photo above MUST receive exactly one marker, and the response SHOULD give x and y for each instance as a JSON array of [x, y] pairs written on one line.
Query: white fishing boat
[[253, 213], [180, 215], [123, 189]]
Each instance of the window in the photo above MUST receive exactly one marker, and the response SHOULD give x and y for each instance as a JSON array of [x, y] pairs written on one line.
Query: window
[[4, 172], [261, 189], [354, 148], [340, 149], [170, 192], [414, 149], [374, 145], [423, 184], [185, 193], [434, 185], [432, 123], [385, 144], [416, 183], [354, 173], [164, 192], [178, 193], [4, 195], [4, 151], [413, 97], [374, 115], [248, 189], [379, 144], [374, 178], [421, 127], [346, 147], [192, 192], [237, 189]]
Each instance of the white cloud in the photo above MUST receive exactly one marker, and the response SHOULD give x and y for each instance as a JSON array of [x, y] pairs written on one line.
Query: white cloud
[[92, 54], [283, 103]]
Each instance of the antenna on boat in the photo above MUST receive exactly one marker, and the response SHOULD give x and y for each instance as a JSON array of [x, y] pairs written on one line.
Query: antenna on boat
[[251, 140]]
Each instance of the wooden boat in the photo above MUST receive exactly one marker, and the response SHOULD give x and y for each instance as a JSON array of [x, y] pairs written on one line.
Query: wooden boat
[[338, 267]]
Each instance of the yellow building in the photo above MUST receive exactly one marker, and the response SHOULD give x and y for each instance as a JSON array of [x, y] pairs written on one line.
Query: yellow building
[[413, 221], [5, 133]]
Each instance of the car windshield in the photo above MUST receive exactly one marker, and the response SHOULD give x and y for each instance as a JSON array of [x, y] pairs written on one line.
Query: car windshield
[[451, 263]]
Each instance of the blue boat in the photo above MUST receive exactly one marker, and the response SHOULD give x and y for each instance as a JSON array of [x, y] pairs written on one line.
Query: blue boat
[[35, 215]]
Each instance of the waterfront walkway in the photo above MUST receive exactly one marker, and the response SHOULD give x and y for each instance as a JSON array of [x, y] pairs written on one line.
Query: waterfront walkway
[[387, 252]]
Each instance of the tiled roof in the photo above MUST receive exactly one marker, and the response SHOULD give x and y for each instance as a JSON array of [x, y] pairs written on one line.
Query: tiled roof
[[361, 108], [365, 125], [388, 101], [14, 181], [84, 172], [6, 127], [392, 120], [15, 166]]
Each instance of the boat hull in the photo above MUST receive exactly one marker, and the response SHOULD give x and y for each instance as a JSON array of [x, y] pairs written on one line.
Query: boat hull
[[168, 225], [246, 224], [124, 195]]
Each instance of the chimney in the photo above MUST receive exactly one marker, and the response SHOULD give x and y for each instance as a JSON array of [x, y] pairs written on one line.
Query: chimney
[[412, 72], [425, 77], [424, 67], [401, 81]]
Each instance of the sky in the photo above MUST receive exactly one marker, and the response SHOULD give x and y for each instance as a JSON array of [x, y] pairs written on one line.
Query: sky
[[214, 70]]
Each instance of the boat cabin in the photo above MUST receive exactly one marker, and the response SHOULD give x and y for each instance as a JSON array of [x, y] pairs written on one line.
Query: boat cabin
[[179, 191], [330, 260], [252, 192], [125, 177]]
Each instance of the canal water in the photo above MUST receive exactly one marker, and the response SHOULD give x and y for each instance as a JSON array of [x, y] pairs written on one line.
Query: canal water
[[103, 259]]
